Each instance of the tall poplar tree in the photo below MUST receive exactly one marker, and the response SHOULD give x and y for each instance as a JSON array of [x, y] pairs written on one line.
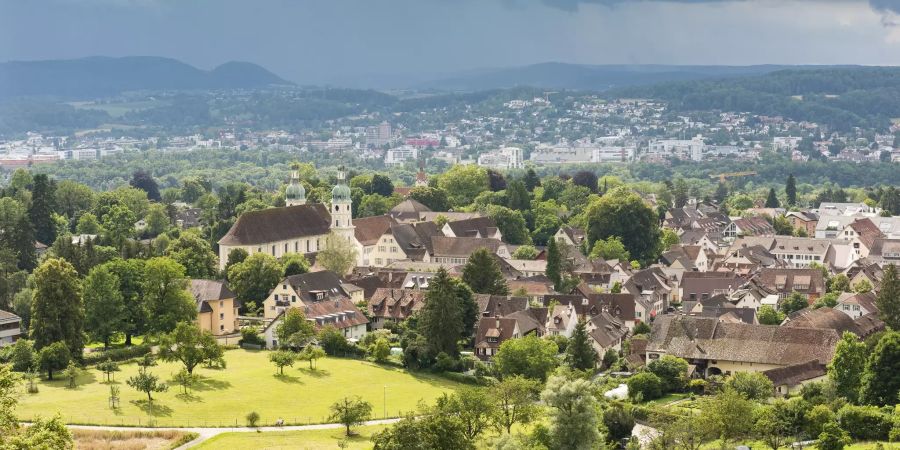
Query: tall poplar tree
[[554, 263], [43, 204], [56, 310], [790, 190], [888, 299]]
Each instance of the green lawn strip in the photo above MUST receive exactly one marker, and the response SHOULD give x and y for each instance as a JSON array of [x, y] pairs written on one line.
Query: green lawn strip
[[311, 440], [224, 397]]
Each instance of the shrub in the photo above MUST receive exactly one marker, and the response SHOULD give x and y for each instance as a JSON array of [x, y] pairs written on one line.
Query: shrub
[[752, 385], [697, 386], [645, 386], [252, 419], [864, 423], [250, 335], [833, 437], [672, 370], [446, 363], [117, 354]]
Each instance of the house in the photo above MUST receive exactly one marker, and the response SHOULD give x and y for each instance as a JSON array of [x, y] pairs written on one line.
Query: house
[[572, 236], [718, 348], [788, 380], [476, 227], [865, 270], [804, 220], [217, 309], [304, 289], [10, 328], [607, 332], [652, 290], [885, 251], [374, 240], [810, 283], [339, 313], [801, 252], [561, 320], [408, 211], [748, 226], [620, 306], [394, 305], [500, 305], [493, 331], [697, 286], [687, 258], [526, 267], [455, 251], [861, 234], [857, 305], [846, 209]]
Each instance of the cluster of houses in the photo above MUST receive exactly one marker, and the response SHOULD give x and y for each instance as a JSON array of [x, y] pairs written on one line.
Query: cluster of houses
[[701, 298]]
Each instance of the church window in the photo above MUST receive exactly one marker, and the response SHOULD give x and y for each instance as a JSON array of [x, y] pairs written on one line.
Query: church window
[[337, 208], [337, 223]]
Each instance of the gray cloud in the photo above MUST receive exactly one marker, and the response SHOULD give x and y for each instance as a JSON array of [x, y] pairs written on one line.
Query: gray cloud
[[884, 6]]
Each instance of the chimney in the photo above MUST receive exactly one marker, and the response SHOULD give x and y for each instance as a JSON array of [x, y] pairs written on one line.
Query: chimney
[[497, 322]]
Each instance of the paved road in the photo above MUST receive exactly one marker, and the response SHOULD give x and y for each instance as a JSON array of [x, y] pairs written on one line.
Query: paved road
[[206, 433]]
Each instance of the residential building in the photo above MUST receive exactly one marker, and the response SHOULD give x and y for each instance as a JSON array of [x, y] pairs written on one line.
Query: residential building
[[503, 159], [400, 155], [305, 289], [394, 305], [217, 308], [10, 328]]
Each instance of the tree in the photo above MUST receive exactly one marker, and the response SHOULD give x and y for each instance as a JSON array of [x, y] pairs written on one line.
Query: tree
[[147, 383], [888, 299], [130, 273], [157, 220], [184, 379], [496, 181], [282, 358], [530, 356], [721, 193], [752, 385], [525, 252], [586, 179], [43, 205], [624, 214], [517, 196], [17, 232], [119, 224], [252, 419], [73, 199], [554, 263], [671, 370], [610, 248], [580, 353], [847, 365], [312, 353], [718, 413], [511, 224], [351, 411], [190, 345], [482, 274], [195, 254], [833, 437], [71, 374], [433, 198], [108, 367], [767, 315], [772, 199], [252, 279], [104, 306], [56, 310], [514, 398], [572, 413], [880, 383], [338, 256], [295, 331], [88, 224], [531, 179], [235, 256], [294, 264], [382, 185], [793, 303], [463, 183], [41, 434], [783, 226], [770, 427], [332, 340], [441, 319], [54, 357], [380, 350], [145, 182], [165, 295], [428, 432], [472, 406], [23, 357], [839, 284], [862, 286], [645, 386], [790, 190], [619, 422]]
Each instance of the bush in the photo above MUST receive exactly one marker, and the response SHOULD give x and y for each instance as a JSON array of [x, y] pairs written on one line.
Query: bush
[[463, 378], [752, 385], [117, 354], [645, 386], [250, 335], [864, 423], [252, 419], [697, 386], [672, 370], [333, 341], [446, 363], [619, 421]]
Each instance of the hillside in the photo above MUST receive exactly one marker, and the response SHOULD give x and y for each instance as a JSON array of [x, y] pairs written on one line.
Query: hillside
[[554, 75], [839, 97], [101, 76]]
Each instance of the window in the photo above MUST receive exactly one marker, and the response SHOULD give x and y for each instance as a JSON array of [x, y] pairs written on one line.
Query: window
[[276, 297], [296, 246], [337, 223], [221, 304], [221, 316], [307, 246], [273, 250], [293, 299], [284, 286], [221, 327], [285, 247]]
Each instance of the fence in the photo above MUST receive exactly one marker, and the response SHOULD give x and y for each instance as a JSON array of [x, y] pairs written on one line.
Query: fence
[[214, 422]]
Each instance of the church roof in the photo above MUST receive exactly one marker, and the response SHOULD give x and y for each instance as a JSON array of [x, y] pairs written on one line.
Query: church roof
[[278, 224]]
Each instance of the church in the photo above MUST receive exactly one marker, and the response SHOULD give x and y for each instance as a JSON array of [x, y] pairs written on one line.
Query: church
[[297, 227]]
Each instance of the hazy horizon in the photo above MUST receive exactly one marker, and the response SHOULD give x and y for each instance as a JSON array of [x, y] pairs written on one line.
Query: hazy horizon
[[350, 41]]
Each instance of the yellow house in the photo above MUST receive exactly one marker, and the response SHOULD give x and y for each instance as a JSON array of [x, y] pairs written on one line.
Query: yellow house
[[217, 309]]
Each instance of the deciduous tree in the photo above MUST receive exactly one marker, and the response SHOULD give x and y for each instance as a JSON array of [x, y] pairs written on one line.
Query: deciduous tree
[[622, 213], [350, 412], [847, 365], [572, 413], [189, 345], [165, 294], [530, 356], [104, 306], [56, 310]]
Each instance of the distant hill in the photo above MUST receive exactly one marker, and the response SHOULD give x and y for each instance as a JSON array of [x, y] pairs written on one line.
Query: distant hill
[[554, 75], [840, 97], [101, 76]]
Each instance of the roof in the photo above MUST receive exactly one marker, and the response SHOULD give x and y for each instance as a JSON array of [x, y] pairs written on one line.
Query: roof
[[408, 209], [577, 235], [415, 239], [709, 283], [481, 227], [308, 285], [396, 304], [806, 281], [617, 305], [754, 225], [205, 291], [607, 330], [707, 338], [825, 317], [795, 374], [866, 231], [462, 246], [530, 320], [496, 327], [278, 224], [370, 229], [340, 313], [500, 305], [6, 316], [865, 300]]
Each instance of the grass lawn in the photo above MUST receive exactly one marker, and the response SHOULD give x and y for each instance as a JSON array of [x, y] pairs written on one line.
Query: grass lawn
[[871, 446], [666, 399], [307, 440], [224, 397], [130, 440]]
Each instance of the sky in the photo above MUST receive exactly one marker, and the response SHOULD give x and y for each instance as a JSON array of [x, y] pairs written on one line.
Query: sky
[[334, 41]]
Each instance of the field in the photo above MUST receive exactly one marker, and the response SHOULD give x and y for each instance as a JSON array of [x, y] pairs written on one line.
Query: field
[[224, 397], [301, 440], [117, 110], [129, 440]]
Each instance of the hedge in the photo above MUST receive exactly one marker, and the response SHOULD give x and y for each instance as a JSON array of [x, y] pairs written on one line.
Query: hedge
[[117, 354]]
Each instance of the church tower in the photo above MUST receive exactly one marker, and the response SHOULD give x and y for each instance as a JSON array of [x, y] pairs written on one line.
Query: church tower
[[295, 193], [341, 208]]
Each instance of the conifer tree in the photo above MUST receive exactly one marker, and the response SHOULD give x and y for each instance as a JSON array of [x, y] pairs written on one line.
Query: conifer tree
[[888, 299], [579, 353], [441, 319], [554, 263], [482, 274], [790, 190], [772, 199]]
